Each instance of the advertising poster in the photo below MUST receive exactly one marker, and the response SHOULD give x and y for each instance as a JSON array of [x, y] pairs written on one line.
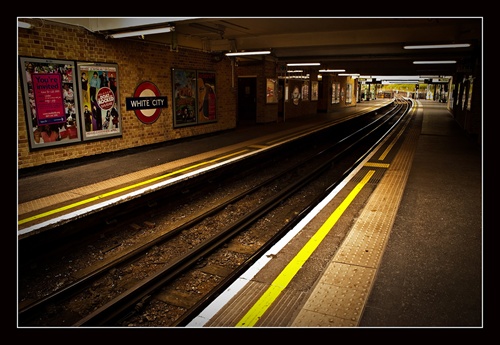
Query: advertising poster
[[335, 93], [100, 106], [305, 91], [314, 91], [296, 93], [184, 98], [49, 91], [206, 96], [271, 94]]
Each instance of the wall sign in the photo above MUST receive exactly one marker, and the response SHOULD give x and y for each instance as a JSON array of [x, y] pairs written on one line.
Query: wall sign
[[147, 102]]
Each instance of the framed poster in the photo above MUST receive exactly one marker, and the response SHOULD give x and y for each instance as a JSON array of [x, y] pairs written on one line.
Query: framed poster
[[184, 97], [314, 90], [271, 93], [335, 93], [100, 106], [305, 91], [206, 96], [295, 95], [51, 105]]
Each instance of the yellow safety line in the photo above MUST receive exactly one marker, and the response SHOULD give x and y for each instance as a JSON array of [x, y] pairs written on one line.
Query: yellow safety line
[[101, 196], [389, 147], [280, 283], [377, 165]]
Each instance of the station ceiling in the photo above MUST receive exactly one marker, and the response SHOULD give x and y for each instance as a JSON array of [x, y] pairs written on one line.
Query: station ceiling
[[368, 46]]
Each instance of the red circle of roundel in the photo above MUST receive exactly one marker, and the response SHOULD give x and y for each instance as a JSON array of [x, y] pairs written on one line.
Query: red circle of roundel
[[147, 89]]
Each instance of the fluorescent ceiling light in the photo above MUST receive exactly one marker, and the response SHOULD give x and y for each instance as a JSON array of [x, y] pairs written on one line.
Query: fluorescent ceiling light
[[142, 32], [262, 52], [386, 82], [348, 74], [398, 81], [304, 64], [433, 62], [331, 70], [438, 46], [399, 77], [24, 25], [444, 77]]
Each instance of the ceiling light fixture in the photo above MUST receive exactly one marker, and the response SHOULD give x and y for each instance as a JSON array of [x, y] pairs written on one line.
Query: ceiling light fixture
[[261, 52], [143, 32], [404, 81], [304, 64], [331, 70], [24, 25], [439, 46], [433, 62]]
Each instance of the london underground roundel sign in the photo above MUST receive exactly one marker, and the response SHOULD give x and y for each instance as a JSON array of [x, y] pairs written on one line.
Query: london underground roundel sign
[[147, 102]]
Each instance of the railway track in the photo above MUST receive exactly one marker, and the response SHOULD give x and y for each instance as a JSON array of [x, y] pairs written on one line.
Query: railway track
[[165, 278]]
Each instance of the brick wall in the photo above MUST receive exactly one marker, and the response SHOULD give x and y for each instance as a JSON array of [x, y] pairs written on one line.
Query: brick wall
[[265, 112], [343, 81], [137, 62]]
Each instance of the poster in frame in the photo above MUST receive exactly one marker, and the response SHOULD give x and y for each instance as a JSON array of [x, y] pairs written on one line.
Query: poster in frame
[[305, 91], [206, 96], [271, 93], [314, 90], [51, 106], [99, 98], [184, 97], [295, 94], [335, 92]]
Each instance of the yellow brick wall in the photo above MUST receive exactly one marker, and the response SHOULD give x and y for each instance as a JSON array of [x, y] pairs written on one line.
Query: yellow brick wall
[[137, 62], [266, 112]]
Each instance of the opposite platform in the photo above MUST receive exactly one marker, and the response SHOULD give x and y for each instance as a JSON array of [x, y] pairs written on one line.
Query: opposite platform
[[56, 194]]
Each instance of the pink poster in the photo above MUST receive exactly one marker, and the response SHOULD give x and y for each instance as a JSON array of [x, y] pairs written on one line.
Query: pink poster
[[51, 104], [48, 98]]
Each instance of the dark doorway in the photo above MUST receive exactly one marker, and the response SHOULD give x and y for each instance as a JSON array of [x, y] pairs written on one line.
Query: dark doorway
[[247, 101], [322, 100]]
